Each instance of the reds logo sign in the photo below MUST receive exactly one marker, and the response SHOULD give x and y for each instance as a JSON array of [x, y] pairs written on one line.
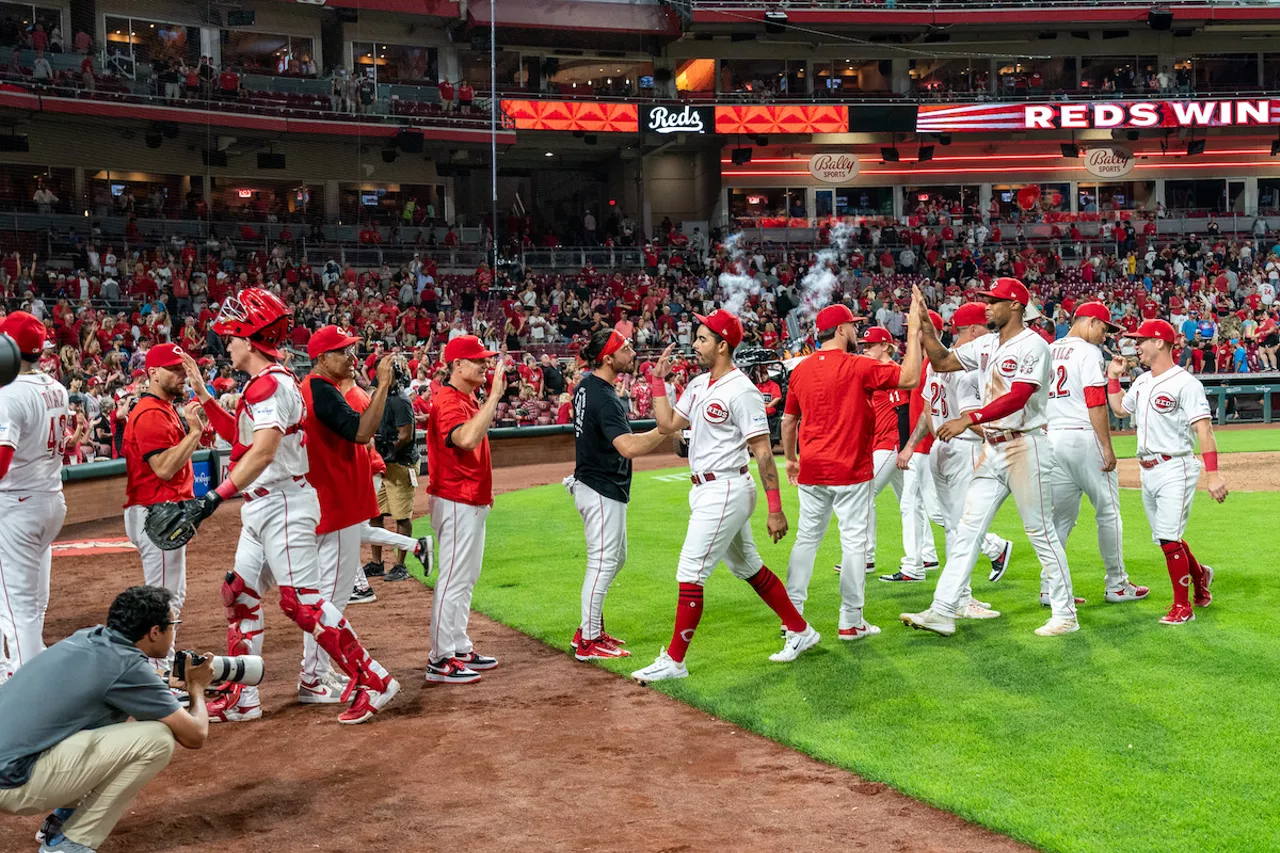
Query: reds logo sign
[[1008, 366], [1164, 403], [716, 412]]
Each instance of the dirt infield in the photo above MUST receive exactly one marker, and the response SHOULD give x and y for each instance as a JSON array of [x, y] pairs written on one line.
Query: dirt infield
[[1244, 472], [544, 754]]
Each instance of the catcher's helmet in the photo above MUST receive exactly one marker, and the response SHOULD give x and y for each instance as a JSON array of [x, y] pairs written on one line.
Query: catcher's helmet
[[258, 315]]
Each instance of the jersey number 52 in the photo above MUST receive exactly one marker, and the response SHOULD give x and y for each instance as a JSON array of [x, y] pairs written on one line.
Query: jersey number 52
[[1059, 388]]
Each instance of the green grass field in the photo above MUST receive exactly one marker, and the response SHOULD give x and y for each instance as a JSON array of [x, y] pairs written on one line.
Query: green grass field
[[1127, 736]]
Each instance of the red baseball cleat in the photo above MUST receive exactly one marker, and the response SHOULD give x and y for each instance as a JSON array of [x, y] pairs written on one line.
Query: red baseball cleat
[[600, 648], [1178, 614], [1203, 596], [577, 638]]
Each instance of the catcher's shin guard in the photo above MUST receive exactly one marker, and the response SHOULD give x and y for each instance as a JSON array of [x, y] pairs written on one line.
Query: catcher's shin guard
[[334, 634], [243, 606]]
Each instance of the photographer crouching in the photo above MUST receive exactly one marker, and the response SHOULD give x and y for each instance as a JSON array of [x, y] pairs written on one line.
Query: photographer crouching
[[68, 744]]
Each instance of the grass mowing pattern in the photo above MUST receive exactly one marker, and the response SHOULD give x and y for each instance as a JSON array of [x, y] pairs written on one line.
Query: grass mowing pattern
[[1128, 735]]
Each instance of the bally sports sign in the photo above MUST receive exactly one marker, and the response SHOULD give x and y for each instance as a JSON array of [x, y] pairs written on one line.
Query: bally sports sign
[[1108, 161], [1084, 115], [833, 168]]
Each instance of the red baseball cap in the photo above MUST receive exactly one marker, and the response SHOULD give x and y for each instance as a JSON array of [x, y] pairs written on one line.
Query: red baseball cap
[[1159, 329], [877, 335], [466, 347], [724, 324], [27, 332], [1097, 311], [832, 316], [164, 355], [1008, 288], [970, 314], [936, 319], [327, 339]]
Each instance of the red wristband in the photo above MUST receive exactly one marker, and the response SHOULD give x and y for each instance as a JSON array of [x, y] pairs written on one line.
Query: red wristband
[[774, 497], [1113, 386], [658, 386], [1211, 461], [226, 489]]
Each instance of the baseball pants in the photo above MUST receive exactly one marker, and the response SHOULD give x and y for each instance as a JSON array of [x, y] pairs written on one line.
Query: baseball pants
[[278, 542], [917, 503], [849, 504], [99, 772], [1167, 492], [459, 529], [1021, 467], [952, 464], [604, 521], [887, 474], [1078, 471], [164, 569], [31, 523], [338, 553], [379, 535], [720, 529]]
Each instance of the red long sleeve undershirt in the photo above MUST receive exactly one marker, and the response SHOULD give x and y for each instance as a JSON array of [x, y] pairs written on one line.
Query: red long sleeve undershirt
[[1007, 404], [223, 422]]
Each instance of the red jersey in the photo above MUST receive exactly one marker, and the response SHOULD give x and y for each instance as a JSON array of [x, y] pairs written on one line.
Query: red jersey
[[462, 476], [830, 392], [153, 427], [339, 468], [885, 405]]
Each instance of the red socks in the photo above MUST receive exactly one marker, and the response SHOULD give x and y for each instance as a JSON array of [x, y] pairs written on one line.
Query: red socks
[[1197, 573], [1178, 559], [688, 613], [774, 594]]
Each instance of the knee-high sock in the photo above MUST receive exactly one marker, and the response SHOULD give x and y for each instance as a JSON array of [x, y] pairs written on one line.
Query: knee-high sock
[[1197, 573], [688, 614], [1179, 570], [774, 594]]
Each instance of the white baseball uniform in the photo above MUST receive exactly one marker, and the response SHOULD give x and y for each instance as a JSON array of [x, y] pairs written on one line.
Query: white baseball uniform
[[33, 421], [1016, 459], [917, 544], [722, 418], [1164, 407], [952, 463], [1077, 454]]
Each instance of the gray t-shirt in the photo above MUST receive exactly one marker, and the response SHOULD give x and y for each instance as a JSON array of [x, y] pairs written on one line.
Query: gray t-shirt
[[94, 678]]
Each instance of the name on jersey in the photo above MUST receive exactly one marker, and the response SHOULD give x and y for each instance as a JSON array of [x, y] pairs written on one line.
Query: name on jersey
[[52, 399], [1164, 403]]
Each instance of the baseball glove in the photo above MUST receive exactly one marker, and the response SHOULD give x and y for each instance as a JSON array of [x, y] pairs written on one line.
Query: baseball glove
[[172, 524]]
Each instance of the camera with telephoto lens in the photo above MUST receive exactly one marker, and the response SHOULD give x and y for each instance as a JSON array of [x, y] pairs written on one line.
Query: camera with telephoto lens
[[233, 669]]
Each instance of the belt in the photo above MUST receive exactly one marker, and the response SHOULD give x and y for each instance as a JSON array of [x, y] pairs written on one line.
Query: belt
[[1068, 429], [711, 476], [1152, 461], [1000, 436], [263, 491]]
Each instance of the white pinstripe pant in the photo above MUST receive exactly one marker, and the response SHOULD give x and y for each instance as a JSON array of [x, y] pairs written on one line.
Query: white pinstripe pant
[[604, 521], [165, 569], [459, 531], [1078, 471]]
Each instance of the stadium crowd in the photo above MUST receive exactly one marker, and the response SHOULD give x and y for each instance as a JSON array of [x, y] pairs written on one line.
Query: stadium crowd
[[104, 315]]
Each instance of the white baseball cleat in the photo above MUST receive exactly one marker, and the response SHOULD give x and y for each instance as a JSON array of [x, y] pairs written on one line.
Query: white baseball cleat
[[1000, 564], [859, 632], [1056, 627], [977, 610], [318, 693], [237, 715], [661, 669], [1127, 592], [796, 643], [335, 679], [928, 620]]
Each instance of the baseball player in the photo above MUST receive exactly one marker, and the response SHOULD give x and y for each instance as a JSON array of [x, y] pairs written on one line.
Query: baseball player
[[951, 464], [281, 511], [157, 455], [1080, 433], [33, 425], [1016, 459], [725, 416], [601, 482], [830, 401], [461, 494], [1167, 405]]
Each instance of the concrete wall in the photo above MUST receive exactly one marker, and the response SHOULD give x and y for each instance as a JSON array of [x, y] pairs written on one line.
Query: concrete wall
[[682, 185]]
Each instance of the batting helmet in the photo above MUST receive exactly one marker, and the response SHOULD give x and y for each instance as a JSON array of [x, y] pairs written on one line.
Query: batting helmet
[[257, 315]]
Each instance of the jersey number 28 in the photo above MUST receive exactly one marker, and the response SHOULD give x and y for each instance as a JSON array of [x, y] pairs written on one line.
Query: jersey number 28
[[938, 402], [1059, 388]]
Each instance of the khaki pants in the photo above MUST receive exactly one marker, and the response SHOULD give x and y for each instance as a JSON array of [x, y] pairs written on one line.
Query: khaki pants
[[97, 772], [395, 496]]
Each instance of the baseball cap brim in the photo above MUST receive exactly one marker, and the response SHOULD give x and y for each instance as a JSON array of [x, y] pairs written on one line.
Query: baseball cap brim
[[1029, 311]]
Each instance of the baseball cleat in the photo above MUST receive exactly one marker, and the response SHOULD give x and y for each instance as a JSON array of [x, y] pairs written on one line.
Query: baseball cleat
[[475, 661], [977, 610], [932, 564], [871, 568], [899, 577], [1044, 600], [1178, 614], [605, 635], [61, 844], [318, 693], [399, 572], [795, 644], [1128, 592], [1001, 564], [577, 639], [1203, 596], [450, 671], [237, 714], [928, 620], [374, 570], [661, 669], [335, 680], [859, 632], [424, 553], [362, 596], [838, 566], [1056, 627], [599, 649], [369, 702]]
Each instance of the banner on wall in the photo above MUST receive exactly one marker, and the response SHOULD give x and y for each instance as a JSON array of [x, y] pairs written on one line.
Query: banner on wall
[[833, 168], [1108, 161], [686, 119], [1086, 115]]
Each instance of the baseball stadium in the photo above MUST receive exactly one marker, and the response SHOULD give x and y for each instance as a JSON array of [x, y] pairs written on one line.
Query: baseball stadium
[[643, 425]]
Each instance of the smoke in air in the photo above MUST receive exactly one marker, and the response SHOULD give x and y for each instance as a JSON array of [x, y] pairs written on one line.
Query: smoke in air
[[735, 282], [820, 281]]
